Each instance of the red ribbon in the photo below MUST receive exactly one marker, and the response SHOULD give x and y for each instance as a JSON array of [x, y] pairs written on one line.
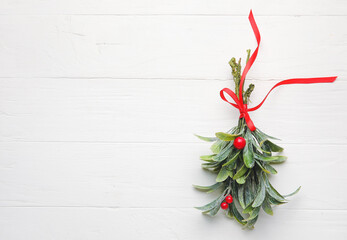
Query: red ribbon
[[239, 104]]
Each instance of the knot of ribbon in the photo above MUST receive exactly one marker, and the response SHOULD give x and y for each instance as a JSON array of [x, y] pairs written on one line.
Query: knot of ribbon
[[238, 100]]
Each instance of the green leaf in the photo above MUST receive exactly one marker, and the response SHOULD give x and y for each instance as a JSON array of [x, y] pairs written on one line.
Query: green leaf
[[242, 180], [269, 168], [209, 188], [234, 191], [236, 213], [215, 210], [273, 192], [210, 168], [206, 139], [248, 158], [249, 192], [262, 150], [232, 159], [264, 136], [207, 157], [209, 161], [210, 205], [262, 168], [293, 193], [241, 196], [230, 171], [215, 203], [272, 159], [274, 201], [240, 172], [226, 136], [274, 147], [267, 207], [253, 214], [248, 209], [210, 165], [232, 130], [229, 213], [218, 146], [223, 174], [266, 150], [260, 193], [250, 223], [224, 153]]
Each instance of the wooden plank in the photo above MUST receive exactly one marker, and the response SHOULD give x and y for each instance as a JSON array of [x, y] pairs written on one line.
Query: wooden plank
[[185, 47], [109, 224], [223, 7], [152, 175], [99, 100], [108, 110]]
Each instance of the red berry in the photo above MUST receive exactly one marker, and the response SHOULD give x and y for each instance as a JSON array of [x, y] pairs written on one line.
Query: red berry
[[224, 205], [239, 142], [229, 199]]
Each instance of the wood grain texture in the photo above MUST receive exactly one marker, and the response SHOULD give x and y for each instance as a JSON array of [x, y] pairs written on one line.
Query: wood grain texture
[[124, 110], [99, 100], [152, 175], [161, 7], [109, 224], [184, 47]]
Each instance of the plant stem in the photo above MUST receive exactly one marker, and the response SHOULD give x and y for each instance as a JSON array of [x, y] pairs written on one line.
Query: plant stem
[[247, 94], [248, 54], [236, 72]]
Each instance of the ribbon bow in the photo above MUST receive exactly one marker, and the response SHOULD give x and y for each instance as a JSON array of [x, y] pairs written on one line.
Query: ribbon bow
[[239, 104]]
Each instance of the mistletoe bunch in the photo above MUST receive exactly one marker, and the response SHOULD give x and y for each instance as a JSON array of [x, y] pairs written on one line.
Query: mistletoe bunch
[[242, 160]]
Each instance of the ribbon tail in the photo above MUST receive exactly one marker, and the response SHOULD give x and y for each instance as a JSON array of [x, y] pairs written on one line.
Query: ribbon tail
[[296, 81], [249, 122], [253, 56], [239, 99]]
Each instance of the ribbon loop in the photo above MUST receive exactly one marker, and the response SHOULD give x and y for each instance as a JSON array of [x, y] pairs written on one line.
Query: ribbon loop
[[239, 104]]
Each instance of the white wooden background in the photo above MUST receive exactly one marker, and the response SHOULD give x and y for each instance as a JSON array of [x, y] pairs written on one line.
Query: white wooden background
[[99, 100]]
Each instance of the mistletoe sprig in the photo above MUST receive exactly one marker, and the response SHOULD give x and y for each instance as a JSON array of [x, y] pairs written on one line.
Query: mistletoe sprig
[[242, 160]]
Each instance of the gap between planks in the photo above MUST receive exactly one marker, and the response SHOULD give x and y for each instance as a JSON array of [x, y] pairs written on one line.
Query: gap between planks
[[183, 208], [156, 143], [153, 78], [175, 14]]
